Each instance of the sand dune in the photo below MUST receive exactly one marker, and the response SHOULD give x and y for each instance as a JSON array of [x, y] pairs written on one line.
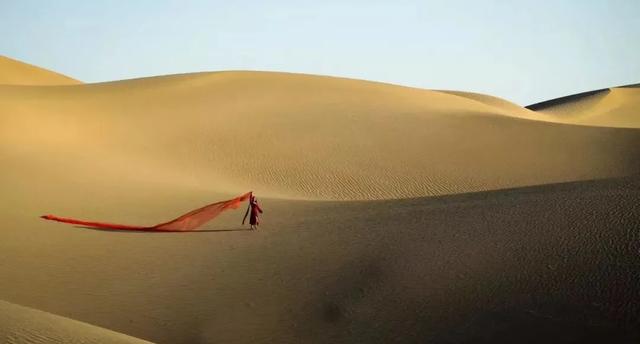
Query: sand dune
[[300, 136], [14, 72], [534, 264], [543, 263], [612, 107], [500, 105], [22, 325]]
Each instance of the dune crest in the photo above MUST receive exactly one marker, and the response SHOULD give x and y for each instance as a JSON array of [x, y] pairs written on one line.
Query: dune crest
[[13, 72], [612, 107], [19, 324]]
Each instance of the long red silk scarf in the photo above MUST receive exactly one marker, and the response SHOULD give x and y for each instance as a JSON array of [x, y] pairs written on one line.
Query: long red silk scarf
[[187, 222]]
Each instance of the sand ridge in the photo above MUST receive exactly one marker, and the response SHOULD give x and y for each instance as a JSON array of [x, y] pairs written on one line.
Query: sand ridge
[[24, 325], [614, 107], [13, 72]]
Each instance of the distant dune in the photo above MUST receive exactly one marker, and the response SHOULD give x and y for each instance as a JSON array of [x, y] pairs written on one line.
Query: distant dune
[[302, 136], [362, 239], [14, 72], [20, 325], [611, 107]]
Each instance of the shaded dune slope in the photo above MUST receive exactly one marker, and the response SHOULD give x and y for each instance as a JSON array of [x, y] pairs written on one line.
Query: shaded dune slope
[[300, 136], [615, 107], [14, 72], [558, 101], [554, 263], [23, 325]]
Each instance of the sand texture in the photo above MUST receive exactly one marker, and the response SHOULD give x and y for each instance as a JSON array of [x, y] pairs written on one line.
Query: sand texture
[[20, 325]]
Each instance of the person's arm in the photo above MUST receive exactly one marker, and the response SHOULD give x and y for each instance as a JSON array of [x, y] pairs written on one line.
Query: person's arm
[[245, 214], [259, 209]]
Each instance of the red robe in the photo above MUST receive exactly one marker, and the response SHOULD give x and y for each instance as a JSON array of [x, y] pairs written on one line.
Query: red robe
[[255, 210]]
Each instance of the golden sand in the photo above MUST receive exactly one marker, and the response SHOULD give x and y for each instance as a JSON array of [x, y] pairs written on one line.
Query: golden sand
[[146, 150]]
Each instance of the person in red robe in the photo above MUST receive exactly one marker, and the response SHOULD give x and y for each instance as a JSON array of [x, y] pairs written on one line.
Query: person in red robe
[[255, 211]]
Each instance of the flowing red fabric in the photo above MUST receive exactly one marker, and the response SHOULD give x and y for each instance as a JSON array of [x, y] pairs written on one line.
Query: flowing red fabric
[[187, 222]]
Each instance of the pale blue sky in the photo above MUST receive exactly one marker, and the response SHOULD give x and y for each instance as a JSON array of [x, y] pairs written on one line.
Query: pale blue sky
[[525, 51]]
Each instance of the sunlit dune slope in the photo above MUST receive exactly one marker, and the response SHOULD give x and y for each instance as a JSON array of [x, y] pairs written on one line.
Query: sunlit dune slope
[[504, 105], [299, 136], [612, 107], [20, 325], [14, 72]]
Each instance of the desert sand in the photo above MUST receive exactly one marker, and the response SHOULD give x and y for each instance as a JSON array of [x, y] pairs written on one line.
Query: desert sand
[[391, 213], [20, 324], [616, 106], [13, 72]]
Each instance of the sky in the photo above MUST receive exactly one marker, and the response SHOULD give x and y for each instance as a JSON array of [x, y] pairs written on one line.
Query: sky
[[525, 51]]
